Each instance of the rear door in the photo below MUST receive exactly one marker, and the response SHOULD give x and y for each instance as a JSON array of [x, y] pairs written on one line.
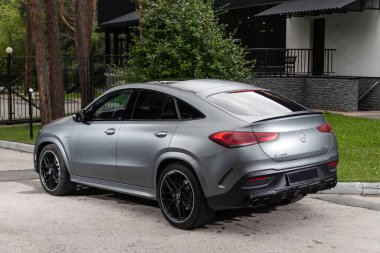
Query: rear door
[[145, 136]]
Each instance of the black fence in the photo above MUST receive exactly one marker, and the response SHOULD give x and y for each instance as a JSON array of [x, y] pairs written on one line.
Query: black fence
[[16, 80], [291, 62]]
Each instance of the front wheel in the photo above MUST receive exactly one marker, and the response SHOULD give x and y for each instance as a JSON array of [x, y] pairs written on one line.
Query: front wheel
[[52, 170], [181, 198]]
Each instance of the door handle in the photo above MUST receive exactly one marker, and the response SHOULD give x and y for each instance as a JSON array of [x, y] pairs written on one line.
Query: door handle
[[110, 131], [161, 134]]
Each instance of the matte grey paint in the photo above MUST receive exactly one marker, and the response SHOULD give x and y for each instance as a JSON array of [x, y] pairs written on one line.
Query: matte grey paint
[[128, 160]]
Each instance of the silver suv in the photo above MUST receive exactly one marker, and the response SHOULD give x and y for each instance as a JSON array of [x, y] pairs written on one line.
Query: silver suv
[[194, 146]]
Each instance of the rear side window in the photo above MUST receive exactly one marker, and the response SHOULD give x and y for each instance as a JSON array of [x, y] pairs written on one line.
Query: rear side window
[[255, 103], [188, 112], [151, 105]]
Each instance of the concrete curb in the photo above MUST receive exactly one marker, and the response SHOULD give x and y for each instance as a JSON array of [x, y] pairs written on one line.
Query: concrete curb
[[16, 146], [355, 188]]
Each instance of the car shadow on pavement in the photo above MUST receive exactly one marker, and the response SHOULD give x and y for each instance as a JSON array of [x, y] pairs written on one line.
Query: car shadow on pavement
[[108, 195], [238, 217]]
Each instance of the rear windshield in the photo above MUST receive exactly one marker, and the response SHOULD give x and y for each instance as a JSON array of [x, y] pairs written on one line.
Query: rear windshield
[[255, 103]]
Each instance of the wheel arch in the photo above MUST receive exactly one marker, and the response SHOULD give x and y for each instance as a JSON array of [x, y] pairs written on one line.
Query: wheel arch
[[47, 141], [185, 159]]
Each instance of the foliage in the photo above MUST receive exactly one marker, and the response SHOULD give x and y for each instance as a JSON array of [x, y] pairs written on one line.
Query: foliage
[[359, 148], [183, 39], [19, 133], [12, 28]]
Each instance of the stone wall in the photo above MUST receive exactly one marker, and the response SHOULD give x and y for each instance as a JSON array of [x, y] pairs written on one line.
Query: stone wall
[[372, 100], [336, 94], [332, 94], [293, 88]]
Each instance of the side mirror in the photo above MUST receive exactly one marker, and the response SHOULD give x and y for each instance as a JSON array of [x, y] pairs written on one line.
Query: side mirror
[[79, 116]]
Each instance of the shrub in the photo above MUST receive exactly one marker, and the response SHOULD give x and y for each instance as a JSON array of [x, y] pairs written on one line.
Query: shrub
[[182, 39]]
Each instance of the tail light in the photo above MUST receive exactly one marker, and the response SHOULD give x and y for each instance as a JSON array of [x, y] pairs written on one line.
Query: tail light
[[257, 181], [241, 139], [332, 164], [325, 128]]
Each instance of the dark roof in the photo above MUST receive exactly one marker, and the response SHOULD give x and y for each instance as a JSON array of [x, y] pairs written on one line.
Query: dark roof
[[126, 19], [304, 6], [236, 4]]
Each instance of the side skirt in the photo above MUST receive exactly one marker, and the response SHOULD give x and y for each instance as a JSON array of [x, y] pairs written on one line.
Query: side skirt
[[116, 187]]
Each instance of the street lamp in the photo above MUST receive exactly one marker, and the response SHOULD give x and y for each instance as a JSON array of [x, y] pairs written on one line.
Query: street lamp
[[30, 113], [9, 51]]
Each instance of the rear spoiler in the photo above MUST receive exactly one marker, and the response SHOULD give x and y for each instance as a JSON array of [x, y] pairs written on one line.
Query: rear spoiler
[[289, 116]]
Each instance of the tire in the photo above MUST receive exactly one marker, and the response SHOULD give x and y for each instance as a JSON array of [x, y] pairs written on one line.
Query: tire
[[53, 173], [289, 201], [181, 199]]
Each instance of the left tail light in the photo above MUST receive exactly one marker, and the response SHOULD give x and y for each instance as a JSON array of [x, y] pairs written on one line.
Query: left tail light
[[325, 128], [230, 139]]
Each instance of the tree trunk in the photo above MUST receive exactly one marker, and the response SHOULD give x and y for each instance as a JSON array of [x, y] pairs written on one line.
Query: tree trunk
[[83, 23], [41, 64], [28, 55], [54, 60], [141, 10]]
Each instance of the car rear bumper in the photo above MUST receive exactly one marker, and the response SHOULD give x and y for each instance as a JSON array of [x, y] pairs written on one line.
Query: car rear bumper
[[275, 190]]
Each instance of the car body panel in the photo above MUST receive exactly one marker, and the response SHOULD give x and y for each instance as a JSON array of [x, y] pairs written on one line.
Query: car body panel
[[129, 161], [138, 148], [93, 152]]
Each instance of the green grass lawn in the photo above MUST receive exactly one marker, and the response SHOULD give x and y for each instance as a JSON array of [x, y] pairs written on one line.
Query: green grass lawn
[[19, 133], [358, 139], [359, 148]]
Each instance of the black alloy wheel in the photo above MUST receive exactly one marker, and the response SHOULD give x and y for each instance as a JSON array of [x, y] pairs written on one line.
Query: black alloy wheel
[[54, 176], [181, 199], [177, 196], [50, 170]]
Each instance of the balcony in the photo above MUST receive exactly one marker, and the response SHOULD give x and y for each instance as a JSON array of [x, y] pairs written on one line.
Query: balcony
[[283, 62]]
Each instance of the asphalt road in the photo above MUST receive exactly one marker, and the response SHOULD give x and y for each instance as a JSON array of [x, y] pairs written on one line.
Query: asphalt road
[[94, 220]]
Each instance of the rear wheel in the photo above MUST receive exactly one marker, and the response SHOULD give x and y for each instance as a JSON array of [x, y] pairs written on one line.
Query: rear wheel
[[52, 170], [181, 198]]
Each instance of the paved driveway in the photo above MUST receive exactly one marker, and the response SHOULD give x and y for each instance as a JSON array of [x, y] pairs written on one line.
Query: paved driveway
[[94, 220]]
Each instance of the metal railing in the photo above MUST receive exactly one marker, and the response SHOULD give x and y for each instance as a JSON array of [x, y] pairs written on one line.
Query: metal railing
[[14, 95], [291, 62]]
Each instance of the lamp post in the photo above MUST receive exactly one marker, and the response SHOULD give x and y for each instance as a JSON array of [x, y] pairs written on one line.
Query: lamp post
[[9, 52], [30, 113]]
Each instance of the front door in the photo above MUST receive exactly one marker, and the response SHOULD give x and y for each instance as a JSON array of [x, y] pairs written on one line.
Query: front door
[[145, 136], [319, 46], [93, 144]]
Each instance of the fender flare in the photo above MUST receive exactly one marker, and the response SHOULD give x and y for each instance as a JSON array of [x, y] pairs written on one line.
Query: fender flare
[[56, 142], [175, 155]]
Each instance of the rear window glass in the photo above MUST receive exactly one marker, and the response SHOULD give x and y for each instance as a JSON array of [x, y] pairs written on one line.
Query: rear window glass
[[255, 103], [152, 105], [188, 112]]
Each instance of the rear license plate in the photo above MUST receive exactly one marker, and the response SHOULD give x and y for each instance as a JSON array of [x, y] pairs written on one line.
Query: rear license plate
[[302, 176]]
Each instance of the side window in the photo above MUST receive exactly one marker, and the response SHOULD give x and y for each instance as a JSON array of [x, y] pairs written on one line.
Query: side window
[[151, 105], [112, 106], [188, 112]]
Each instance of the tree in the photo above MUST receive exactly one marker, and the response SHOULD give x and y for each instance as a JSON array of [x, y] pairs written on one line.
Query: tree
[[54, 60], [12, 29], [28, 53], [183, 39], [84, 17], [41, 62]]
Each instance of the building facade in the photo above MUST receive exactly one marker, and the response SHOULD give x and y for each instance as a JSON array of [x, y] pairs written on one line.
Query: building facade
[[327, 49]]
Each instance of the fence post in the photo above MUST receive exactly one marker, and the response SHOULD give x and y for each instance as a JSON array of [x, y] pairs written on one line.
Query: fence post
[[30, 114], [9, 51]]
